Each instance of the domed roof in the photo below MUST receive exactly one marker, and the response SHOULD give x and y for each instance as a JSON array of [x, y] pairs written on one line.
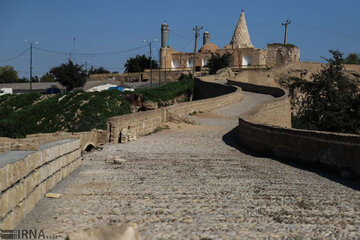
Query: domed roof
[[209, 47]]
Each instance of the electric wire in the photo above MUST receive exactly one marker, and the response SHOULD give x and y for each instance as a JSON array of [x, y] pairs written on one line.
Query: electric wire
[[91, 54], [179, 35], [13, 58]]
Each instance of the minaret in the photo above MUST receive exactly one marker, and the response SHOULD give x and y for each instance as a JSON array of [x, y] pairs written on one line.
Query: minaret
[[206, 37], [241, 37], [164, 35]]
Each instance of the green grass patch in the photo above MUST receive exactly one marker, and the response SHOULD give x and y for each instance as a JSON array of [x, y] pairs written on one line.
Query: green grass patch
[[169, 91], [282, 45], [75, 111]]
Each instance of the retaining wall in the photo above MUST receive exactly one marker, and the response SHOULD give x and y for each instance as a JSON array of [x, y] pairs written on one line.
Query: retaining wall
[[142, 123], [27, 175], [266, 128], [275, 112], [32, 141]]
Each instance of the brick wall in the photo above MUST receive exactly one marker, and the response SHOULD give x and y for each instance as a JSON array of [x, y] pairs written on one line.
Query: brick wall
[[27, 175]]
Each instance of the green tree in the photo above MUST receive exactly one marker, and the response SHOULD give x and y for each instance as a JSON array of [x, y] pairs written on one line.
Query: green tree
[[8, 74], [99, 70], [352, 58], [47, 77], [70, 75], [139, 63], [331, 102], [217, 62]]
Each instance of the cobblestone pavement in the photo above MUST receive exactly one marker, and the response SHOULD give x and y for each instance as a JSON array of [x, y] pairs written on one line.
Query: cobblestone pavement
[[187, 183]]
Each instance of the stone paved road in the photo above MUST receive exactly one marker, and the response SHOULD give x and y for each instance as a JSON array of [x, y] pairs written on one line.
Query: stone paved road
[[187, 183]]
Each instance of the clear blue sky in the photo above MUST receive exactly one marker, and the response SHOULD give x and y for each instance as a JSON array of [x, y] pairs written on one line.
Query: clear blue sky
[[110, 25]]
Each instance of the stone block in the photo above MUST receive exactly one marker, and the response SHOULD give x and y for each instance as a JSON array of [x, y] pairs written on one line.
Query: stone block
[[33, 161], [117, 232]]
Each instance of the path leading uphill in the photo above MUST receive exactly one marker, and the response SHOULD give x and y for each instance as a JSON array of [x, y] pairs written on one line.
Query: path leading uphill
[[188, 182]]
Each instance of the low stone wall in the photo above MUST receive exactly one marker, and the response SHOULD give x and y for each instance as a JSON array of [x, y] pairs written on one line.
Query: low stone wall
[[142, 123], [206, 89], [266, 129], [32, 141], [258, 76], [275, 112], [27, 175]]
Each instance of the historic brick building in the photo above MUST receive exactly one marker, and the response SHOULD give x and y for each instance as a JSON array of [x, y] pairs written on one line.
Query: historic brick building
[[244, 54]]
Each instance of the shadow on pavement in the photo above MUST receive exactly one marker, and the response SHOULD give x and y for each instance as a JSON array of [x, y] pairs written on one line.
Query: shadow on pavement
[[230, 139]]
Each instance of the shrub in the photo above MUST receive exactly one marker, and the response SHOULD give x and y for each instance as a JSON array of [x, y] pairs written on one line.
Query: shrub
[[331, 102], [217, 62]]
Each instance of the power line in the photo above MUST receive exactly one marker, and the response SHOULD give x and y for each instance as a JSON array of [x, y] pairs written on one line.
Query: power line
[[181, 36], [186, 45], [91, 54], [10, 59]]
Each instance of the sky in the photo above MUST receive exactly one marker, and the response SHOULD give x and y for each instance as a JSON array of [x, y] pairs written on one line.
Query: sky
[[117, 28]]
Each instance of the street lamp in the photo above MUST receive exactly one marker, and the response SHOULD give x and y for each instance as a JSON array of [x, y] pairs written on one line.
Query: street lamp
[[31, 46], [150, 43]]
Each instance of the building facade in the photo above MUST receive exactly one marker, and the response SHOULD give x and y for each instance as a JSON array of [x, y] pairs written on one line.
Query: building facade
[[244, 54]]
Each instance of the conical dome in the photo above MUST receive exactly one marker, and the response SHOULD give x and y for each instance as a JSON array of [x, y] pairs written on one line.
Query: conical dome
[[241, 37]]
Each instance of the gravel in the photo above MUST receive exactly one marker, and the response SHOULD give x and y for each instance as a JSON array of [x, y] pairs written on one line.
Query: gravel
[[188, 182]]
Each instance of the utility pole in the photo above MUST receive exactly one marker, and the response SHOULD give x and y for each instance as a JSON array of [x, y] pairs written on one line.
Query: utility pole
[[286, 26], [150, 45], [196, 29], [159, 69], [73, 48], [31, 47]]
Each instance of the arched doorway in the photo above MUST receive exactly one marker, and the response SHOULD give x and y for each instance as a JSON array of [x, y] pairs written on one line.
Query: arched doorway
[[279, 58]]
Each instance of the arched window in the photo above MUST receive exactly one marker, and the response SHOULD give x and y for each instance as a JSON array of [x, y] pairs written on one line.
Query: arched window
[[204, 61], [190, 63], [247, 60], [175, 63]]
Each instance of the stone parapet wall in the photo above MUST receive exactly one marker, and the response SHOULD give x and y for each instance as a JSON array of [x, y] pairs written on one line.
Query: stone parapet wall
[[32, 141], [27, 175], [339, 151], [275, 112], [142, 123], [266, 129]]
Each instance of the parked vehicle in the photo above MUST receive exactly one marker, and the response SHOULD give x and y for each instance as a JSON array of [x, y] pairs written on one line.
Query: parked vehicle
[[52, 90]]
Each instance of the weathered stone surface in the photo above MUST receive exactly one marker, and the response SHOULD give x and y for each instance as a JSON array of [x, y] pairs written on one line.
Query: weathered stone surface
[[118, 232], [225, 73], [150, 105], [110, 158], [25, 147], [127, 135], [119, 161], [191, 183]]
